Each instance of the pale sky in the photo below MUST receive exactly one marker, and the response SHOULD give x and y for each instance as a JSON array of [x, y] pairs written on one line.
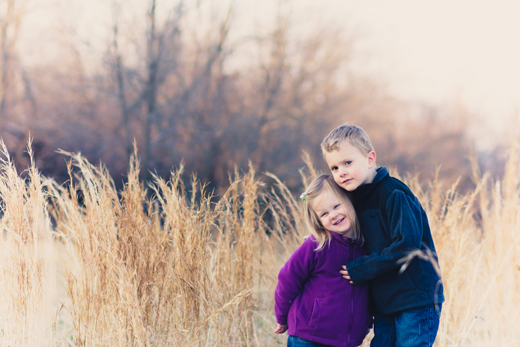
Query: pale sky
[[437, 51], [442, 51]]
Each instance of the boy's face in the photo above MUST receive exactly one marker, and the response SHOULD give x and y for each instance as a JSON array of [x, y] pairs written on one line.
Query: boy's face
[[350, 167]]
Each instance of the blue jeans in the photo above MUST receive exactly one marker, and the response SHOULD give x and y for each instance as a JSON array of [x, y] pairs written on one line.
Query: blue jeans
[[415, 327], [295, 341]]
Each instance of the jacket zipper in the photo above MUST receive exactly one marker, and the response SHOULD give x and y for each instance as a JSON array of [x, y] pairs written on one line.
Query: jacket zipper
[[351, 318]]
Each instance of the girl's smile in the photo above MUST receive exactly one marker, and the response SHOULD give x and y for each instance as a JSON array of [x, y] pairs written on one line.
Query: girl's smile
[[341, 220], [332, 214]]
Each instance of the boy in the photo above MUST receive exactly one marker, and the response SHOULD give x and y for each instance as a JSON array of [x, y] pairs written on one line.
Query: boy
[[406, 305]]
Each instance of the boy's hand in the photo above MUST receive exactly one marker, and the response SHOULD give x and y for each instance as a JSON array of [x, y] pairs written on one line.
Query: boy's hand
[[280, 329], [345, 274]]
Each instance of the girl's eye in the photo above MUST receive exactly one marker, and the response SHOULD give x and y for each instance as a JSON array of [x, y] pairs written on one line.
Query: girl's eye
[[334, 168], [336, 206], [324, 214]]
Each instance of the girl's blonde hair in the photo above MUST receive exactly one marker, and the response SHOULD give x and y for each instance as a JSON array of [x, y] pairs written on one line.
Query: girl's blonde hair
[[317, 187]]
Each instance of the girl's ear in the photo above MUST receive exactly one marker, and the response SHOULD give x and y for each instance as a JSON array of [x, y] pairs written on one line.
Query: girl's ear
[[371, 159]]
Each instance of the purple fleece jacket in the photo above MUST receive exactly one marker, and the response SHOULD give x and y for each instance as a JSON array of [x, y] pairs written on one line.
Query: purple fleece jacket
[[317, 303]]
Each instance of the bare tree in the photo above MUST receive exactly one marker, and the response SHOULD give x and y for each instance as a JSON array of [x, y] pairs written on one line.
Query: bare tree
[[173, 86], [160, 41]]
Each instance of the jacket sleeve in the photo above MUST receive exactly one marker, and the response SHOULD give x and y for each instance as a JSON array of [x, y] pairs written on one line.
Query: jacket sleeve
[[405, 220], [292, 277]]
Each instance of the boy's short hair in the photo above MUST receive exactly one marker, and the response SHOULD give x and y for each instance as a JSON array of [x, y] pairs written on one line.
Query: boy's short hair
[[356, 136]]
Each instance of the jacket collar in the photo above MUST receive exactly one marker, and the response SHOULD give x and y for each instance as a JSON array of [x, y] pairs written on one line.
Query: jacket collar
[[346, 240], [382, 172], [368, 188]]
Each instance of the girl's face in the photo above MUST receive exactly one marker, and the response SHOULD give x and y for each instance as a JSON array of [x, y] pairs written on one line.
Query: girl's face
[[332, 214]]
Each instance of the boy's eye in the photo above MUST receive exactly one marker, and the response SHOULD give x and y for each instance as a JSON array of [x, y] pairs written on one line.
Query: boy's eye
[[348, 162], [334, 168]]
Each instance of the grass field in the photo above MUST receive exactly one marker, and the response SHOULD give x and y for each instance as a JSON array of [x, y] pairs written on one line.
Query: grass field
[[86, 265]]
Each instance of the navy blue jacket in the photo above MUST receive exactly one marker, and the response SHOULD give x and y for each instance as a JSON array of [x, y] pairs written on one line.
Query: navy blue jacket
[[393, 224]]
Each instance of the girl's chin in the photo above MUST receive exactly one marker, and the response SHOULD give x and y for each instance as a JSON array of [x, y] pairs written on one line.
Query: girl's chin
[[343, 233], [347, 233]]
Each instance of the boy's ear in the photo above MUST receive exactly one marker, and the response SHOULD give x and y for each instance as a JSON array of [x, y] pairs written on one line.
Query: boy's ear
[[371, 159]]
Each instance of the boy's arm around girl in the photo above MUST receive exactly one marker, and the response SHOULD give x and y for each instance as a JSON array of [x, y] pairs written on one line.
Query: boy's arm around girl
[[404, 216]]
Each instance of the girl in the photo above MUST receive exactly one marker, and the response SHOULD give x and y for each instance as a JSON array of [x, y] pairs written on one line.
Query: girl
[[312, 300]]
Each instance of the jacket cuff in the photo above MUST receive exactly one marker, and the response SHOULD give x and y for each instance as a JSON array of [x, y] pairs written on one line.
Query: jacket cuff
[[354, 274], [281, 321]]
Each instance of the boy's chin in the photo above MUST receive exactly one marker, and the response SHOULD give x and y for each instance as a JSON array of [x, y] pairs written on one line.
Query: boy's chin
[[348, 188]]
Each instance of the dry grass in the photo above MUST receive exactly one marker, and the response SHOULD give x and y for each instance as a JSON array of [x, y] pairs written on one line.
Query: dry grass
[[164, 265]]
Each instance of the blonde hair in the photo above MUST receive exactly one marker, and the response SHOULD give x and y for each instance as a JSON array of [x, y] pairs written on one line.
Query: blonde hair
[[356, 136], [318, 186]]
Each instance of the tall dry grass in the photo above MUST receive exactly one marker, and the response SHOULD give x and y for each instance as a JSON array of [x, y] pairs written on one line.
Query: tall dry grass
[[165, 264], [28, 266]]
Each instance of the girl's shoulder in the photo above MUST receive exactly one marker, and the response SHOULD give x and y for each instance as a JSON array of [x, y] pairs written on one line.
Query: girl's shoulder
[[308, 241], [308, 244], [309, 236], [305, 252]]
